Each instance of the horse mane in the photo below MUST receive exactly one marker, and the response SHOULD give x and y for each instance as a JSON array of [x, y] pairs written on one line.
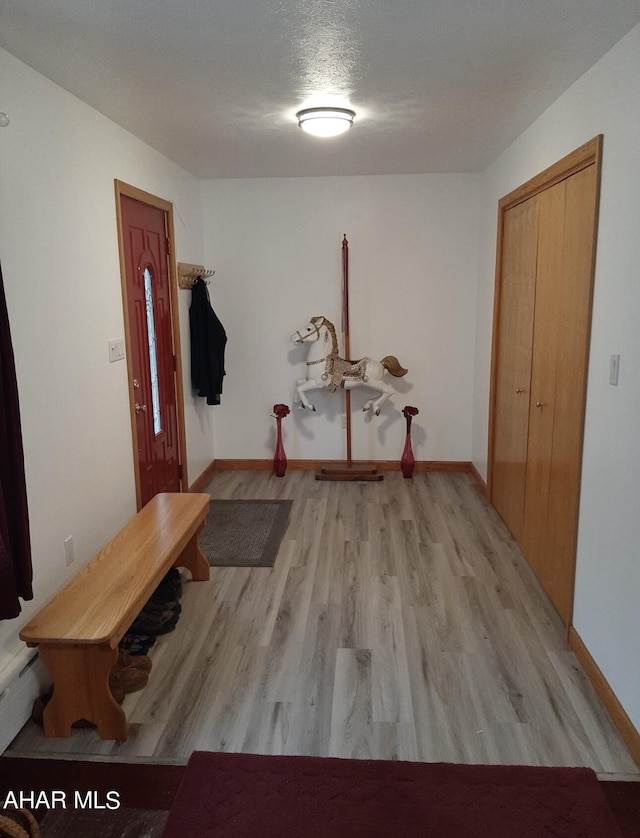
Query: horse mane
[[331, 328]]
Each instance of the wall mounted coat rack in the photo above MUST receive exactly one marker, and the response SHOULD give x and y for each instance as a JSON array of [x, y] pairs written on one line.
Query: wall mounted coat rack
[[188, 273]]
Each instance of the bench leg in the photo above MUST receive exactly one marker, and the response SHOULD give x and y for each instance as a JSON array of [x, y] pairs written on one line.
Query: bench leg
[[80, 676], [192, 558]]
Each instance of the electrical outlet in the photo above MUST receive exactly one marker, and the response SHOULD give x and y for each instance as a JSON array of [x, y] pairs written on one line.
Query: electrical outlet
[[68, 550]]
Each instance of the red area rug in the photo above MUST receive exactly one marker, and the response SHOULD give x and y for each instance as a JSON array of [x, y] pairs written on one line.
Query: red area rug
[[246, 795]]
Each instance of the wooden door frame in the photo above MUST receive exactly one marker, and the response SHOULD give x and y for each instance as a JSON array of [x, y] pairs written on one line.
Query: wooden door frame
[[126, 190], [586, 155]]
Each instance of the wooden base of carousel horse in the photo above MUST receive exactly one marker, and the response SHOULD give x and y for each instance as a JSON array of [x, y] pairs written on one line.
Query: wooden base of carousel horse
[[344, 471]]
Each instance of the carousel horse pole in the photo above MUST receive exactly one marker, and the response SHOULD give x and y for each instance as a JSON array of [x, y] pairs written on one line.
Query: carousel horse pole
[[345, 337], [348, 471]]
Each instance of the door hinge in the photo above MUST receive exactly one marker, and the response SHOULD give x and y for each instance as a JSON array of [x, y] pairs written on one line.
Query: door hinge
[[180, 472], [169, 246], [175, 363]]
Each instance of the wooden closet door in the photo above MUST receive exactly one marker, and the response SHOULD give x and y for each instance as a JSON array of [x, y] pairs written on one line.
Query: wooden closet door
[[567, 222], [549, 278], [513, 371], [544, 276]]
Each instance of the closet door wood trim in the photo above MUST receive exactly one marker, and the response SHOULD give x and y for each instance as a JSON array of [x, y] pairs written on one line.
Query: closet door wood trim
[[574, 162]]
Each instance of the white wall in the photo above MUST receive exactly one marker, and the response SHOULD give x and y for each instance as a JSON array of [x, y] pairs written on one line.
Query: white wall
[[606, 100], [59, 253], [276, 248]]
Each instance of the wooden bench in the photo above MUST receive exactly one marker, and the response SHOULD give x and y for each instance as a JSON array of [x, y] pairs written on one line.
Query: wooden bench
[[79, 630]]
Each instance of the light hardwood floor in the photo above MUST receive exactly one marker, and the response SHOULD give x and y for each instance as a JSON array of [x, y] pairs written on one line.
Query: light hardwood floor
[[400, 621]]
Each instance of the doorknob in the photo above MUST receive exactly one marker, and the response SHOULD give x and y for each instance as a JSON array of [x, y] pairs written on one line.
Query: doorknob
[[518, 390], [539, 404], [140, 407]]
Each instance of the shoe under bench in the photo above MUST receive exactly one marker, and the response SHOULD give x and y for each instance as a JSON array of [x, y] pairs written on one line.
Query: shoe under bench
[[77, 633]]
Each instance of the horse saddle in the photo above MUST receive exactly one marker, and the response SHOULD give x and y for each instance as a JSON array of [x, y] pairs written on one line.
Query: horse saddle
[[341, 370]]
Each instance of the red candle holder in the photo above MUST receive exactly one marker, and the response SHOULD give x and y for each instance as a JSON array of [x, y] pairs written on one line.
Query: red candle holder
[[407, 461], [280, 458]]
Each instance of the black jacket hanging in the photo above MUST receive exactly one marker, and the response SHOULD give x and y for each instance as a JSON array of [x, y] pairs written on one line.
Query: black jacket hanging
[[15, 547], [208, 341]]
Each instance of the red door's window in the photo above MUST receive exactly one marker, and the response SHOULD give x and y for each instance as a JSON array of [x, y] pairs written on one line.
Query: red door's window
[[153, 358]]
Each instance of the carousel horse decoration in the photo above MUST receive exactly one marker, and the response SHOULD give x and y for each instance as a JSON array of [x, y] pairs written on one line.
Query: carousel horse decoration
[[325, 369]]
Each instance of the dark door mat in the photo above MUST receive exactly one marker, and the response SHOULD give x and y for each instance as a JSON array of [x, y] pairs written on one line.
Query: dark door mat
[[244, 533]]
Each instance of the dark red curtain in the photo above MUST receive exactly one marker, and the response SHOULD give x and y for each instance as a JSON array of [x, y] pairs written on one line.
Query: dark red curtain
[[15, 546]]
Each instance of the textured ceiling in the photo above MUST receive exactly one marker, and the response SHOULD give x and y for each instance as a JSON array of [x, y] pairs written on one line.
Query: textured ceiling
[[438, 85]]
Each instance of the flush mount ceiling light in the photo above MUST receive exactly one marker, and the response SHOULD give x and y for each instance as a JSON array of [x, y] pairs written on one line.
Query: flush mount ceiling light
[[325, 122]]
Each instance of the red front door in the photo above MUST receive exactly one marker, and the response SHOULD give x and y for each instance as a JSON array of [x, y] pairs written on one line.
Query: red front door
[[152, 361]]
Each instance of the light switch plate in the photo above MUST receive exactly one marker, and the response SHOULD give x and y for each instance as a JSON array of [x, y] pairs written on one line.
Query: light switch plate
[[116, 350], [614, 370]]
